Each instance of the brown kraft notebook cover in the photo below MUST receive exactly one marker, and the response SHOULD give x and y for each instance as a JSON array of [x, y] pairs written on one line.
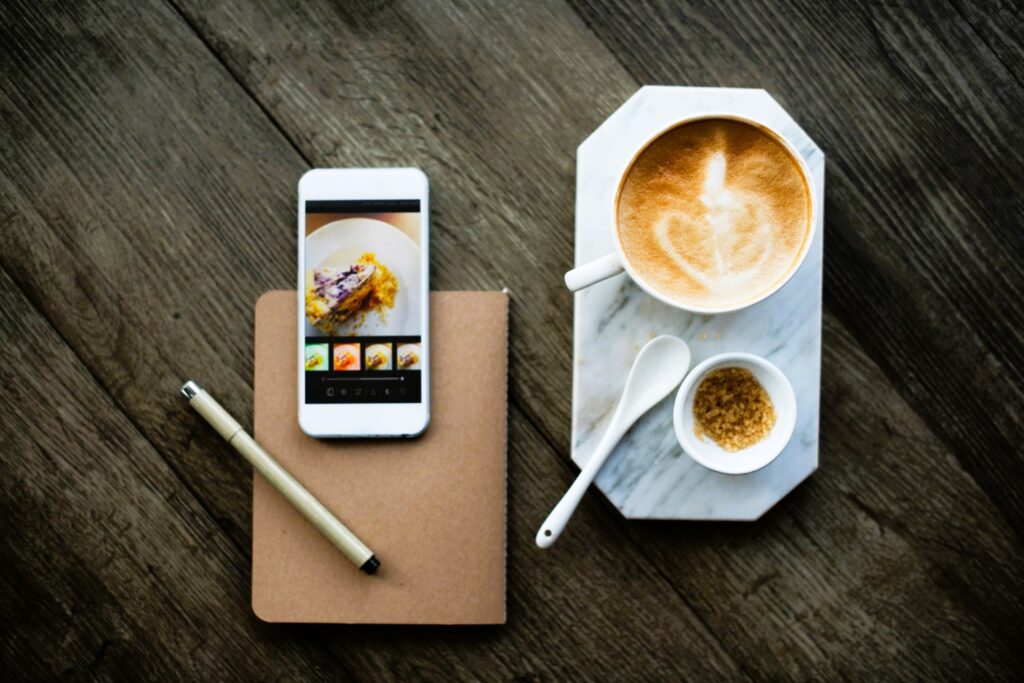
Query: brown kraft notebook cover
[[432, 509]]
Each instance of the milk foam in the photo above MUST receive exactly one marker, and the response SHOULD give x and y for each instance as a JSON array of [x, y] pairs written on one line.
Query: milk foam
[[714, 213]]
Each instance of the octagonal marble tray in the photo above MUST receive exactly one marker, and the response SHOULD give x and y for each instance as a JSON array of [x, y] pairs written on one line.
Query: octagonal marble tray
[[648, 476]]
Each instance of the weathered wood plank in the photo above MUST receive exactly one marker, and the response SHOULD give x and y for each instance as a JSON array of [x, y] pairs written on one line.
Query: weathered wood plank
[[888, 560], [130, 556], [154, 281], [490, 98], [634, 625], [852, 575], [122, 219], [562, 607], [1000, 25], [111, 567], [256, 49], [926, 157]]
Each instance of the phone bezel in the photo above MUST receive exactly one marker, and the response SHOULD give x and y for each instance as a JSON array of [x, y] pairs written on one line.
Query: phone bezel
[[361, 420]]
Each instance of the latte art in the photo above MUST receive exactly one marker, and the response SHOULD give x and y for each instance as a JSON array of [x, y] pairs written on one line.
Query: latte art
[[714, 213], [729, 245]]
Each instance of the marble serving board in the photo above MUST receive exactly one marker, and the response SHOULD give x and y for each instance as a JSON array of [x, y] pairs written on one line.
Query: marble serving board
[[648, 476]]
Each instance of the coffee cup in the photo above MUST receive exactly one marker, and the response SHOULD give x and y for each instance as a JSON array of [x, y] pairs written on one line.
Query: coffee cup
[[730, 215]]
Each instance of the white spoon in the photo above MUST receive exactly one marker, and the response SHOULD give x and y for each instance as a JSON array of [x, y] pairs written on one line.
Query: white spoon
[[658, 369]]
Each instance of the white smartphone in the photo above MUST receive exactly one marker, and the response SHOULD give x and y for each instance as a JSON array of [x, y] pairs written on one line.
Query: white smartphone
[[363, 348]]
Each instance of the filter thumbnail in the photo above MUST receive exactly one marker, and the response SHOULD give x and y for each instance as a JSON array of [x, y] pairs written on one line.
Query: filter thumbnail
[[409, 356], [378, 357], [316, 356], [347, 357]]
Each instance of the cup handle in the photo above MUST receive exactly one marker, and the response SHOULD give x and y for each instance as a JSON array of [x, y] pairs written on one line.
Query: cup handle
[[593, 272]]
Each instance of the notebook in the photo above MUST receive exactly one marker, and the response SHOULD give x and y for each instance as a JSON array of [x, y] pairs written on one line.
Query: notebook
[[432, 509]]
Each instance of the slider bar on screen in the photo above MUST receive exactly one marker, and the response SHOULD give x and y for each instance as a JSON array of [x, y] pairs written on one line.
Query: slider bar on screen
[[363, 379]]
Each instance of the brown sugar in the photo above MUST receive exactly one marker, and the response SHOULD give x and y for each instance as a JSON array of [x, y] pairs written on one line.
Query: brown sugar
[[733, 409]]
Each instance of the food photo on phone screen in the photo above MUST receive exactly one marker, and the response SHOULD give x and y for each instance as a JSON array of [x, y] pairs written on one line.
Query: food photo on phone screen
[[362, 299]]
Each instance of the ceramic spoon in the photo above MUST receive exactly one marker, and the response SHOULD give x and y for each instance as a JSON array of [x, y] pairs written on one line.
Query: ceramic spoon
[[658, 369]]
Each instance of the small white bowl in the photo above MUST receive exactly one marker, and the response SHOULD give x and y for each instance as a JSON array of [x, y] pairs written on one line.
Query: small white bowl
[[750, 459]]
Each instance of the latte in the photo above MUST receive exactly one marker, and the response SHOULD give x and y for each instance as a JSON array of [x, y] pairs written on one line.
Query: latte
[[714, 213]]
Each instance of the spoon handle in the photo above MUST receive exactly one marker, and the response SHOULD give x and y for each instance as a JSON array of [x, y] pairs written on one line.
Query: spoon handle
[[552, 527]]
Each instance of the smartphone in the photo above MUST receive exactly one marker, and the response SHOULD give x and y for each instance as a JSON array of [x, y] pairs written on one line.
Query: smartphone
[[363, 348]]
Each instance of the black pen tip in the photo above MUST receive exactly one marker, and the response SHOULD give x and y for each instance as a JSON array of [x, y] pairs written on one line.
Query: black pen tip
[[371, 565]]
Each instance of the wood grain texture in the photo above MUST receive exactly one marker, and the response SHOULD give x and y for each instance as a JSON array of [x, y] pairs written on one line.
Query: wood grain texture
[[238, 37], [474, 93], [147, 199], [873, 566], [112, 567], [116, 296], [123, 224], [999, 24]]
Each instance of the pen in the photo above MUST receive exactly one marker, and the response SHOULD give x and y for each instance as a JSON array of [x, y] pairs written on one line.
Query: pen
[[329, 525]]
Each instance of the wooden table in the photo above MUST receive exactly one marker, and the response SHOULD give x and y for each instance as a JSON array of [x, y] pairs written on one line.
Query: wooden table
[[150, 153]]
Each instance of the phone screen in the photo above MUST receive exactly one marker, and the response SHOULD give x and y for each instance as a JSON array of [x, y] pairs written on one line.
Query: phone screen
[[363, 336]]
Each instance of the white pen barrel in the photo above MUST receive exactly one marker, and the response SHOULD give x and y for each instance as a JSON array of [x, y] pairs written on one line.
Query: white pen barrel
[[296, 494], [214, 413], [302, 499]]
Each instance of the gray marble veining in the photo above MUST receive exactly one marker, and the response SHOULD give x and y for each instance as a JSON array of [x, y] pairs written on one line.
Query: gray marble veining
[[648, 475]]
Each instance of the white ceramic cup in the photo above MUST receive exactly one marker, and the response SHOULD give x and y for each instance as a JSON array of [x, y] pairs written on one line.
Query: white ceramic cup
[[616, 262], [754, 457]]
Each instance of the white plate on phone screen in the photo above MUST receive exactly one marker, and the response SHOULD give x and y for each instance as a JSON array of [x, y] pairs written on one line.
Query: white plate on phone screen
[[341, 243]]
